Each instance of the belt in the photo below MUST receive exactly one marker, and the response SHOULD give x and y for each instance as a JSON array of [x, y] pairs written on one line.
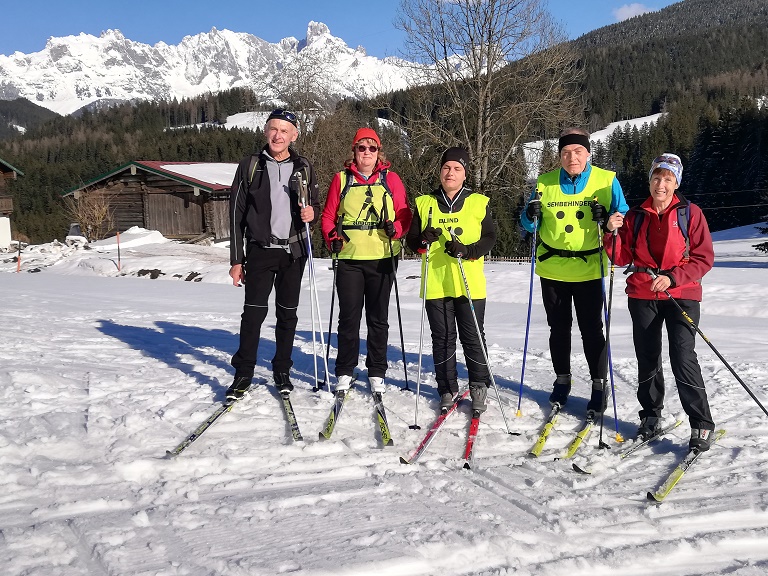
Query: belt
[[632, 269], [566, 253], [364, 226], [286, 241]]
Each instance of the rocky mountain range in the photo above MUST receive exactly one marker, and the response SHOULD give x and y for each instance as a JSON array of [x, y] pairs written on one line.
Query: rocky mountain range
[[73, 72]]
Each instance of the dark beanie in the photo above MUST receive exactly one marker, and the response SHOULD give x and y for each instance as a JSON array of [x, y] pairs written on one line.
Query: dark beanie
[[455, 154]]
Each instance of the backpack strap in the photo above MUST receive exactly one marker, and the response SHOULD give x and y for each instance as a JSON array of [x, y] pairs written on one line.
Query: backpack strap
[[251, 170], [349, 179], [683, 218]]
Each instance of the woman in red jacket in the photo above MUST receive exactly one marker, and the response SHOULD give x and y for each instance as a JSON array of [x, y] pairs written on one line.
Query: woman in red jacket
[[667, 242], [365, 214]]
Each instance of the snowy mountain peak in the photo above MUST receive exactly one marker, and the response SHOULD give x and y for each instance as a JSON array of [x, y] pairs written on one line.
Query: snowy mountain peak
[[72, 72], [112, 34], [315, 30]]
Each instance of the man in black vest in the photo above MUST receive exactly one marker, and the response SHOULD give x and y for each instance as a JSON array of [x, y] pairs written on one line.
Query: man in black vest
[[268, 246]]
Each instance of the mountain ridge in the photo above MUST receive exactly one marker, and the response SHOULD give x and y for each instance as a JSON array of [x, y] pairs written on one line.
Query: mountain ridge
[[72, 72]]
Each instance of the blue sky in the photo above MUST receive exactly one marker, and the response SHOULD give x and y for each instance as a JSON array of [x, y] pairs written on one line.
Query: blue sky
[[28, 25]]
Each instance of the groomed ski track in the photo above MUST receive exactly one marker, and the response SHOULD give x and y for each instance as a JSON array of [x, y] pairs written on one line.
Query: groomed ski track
[[99, 376]]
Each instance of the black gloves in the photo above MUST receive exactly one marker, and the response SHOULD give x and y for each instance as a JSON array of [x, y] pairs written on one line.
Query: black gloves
[[533, 210], [456, 249], [337, 244], [429, 235], [599, 213], [389, 228]]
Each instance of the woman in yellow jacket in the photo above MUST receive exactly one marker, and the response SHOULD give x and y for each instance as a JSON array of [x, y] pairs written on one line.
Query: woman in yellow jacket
[[366, 211]]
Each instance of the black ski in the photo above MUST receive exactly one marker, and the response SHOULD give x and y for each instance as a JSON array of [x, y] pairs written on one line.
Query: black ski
[[339, 397], [381, 419], [291, 416], [225, 407], [338, 404]]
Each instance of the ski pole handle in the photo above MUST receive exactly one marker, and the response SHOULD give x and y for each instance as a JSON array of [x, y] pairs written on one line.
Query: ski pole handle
[[302, 180]]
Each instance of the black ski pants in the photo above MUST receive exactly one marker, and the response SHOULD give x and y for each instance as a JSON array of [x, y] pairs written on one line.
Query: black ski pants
[[587, 298], [363, 283], [265, 268], [647, 319], [445, 316]]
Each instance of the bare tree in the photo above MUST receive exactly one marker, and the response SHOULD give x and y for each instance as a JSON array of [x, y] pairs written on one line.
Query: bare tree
[[305, 82], [491, 75], [93, 212]]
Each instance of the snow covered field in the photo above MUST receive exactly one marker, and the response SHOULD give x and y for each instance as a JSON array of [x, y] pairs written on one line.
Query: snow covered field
[[102, 371]]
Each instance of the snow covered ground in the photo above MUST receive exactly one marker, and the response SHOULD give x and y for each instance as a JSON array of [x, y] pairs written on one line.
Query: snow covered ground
[[102, 371]]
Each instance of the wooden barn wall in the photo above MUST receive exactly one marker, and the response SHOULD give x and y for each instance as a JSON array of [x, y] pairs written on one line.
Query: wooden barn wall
[[175, 214], [6, 205], [127, 208], [158, 203], [5, 177], [217, 216]]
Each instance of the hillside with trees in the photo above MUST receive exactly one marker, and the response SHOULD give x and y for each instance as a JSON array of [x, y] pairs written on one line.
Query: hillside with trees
[[21, 113]]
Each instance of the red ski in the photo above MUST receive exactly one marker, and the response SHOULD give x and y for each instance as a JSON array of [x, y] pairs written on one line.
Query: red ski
[[433, 430], [469, 450]]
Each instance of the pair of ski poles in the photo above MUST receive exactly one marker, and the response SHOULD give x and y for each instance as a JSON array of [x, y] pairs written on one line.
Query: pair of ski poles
[[480, 337], [607, 314], [397, 299], [607, 311], [303, 181]]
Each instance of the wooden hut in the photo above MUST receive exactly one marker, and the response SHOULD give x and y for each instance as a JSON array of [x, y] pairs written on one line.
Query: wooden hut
[[7, 173], [182, 200]]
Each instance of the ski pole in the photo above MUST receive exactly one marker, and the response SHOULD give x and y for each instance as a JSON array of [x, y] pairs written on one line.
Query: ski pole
[[314, 299], [480, 336], [700, 333], [608, 308], [333, 297], [415, 425], [530, 304], [606, 314], [397, 292]]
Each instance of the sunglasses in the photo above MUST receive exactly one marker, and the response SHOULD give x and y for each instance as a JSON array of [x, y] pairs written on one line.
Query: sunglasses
[[362, 148], [281, 114], [673, 160]]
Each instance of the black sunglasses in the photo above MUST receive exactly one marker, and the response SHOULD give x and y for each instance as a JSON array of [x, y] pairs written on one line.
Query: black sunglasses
[[362, 148], [281, 114], [673, 160]]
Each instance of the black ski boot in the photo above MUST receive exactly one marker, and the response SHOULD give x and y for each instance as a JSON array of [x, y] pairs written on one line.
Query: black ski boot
[[283, 382], [649, 426], [599, 400], [701, 439], [478, 391], [561, 390], [238, 388]]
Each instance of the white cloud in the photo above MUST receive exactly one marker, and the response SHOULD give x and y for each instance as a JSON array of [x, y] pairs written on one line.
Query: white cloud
[[630, 10]]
